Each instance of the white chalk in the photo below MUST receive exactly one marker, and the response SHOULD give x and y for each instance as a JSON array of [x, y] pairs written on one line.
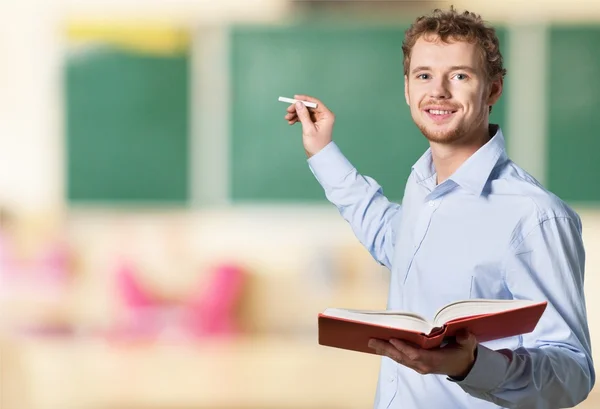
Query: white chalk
[[293, 101]]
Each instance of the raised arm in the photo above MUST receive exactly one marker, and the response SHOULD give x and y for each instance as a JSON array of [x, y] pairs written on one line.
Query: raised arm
[[359, 199]]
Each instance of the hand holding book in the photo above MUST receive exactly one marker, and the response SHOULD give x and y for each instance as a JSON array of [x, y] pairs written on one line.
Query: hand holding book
[[455, 360]]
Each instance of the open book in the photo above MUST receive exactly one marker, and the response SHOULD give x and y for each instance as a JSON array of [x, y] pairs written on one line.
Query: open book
[[486, 319]]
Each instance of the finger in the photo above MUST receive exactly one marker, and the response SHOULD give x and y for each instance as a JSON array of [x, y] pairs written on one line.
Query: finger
[[290, 116], [466, 339], [308, 98], [291, 108], [304, 117], [386, 349], [464, 336], [415, 357], [320, 106], [380, 347], [411, 352]]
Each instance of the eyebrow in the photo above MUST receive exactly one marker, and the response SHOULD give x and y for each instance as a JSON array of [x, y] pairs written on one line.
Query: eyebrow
[[453, 68]]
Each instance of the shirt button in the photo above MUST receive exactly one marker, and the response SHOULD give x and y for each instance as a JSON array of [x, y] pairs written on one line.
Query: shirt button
[[431, 203], [392, 379]]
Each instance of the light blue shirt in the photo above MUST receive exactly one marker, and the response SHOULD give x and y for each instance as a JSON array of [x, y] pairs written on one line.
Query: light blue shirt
[[489, 231]]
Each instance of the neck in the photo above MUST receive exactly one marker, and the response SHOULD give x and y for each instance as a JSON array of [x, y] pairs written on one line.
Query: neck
[[448, 157]]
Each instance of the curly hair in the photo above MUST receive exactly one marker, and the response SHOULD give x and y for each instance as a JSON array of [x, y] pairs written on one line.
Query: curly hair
[[452, 25]]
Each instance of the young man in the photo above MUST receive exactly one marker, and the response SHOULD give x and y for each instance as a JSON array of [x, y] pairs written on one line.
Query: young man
[[472, 224]]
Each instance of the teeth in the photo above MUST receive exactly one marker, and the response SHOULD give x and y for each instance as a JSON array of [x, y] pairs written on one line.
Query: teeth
[[438, 112]]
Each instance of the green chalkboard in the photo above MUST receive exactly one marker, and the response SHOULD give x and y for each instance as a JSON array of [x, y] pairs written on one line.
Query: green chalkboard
[[356, 70], [573, 121], [127, 126]]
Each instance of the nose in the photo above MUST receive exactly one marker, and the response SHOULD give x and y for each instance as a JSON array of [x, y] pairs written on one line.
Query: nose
[[440, 89]]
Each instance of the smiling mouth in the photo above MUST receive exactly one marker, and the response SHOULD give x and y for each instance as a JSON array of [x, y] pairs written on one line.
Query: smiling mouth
[[439, 112]]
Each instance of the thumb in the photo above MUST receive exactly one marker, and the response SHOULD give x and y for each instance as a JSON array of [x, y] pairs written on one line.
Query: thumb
[[304, 116], [466, 339]]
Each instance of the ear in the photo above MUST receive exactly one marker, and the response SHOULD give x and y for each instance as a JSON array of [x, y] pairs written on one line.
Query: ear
[[406, 90], [495, 90]]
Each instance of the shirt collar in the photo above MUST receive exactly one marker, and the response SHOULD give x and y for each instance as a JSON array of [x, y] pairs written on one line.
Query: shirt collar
[[474, 173]]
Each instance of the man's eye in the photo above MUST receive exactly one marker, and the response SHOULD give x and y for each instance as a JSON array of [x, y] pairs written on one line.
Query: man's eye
[[461, 76], [423, 76]]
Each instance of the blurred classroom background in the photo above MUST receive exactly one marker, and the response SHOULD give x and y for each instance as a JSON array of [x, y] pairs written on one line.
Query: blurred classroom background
[[163, 243]]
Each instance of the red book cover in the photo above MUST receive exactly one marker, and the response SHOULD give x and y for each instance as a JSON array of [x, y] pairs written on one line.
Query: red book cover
[[354, 334]]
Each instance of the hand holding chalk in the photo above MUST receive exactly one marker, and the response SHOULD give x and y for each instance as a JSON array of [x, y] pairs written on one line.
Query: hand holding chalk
[[293, 101], [317, 123]]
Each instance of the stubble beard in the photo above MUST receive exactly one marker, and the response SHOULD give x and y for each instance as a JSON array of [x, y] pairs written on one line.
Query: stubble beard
[[450, 135], [444, 137]]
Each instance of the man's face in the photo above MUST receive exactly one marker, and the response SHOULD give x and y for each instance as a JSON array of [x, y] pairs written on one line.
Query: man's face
[[447, 90]]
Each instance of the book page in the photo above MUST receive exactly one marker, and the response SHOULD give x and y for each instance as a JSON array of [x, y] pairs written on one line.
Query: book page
[[466, 308], [394, 319]]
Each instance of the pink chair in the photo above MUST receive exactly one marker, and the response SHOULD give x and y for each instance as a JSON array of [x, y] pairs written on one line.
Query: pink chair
[[206, 313], [212, 312], [48, 273], [141, 309]]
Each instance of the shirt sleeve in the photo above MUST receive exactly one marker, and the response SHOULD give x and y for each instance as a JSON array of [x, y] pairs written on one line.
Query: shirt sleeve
[[553, 367], [360, 201]]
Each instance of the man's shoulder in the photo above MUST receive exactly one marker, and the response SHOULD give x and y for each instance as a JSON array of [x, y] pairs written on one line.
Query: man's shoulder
[[544, 204]]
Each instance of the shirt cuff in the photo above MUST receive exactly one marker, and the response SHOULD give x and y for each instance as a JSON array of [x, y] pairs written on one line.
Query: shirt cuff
[[487, 373], [329, 165]]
